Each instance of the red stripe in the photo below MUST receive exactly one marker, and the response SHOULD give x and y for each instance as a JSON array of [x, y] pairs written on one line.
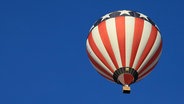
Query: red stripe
[[105, 39], [152, 59], [120, 29], [138, 29], [105, 76], [140, 77], [99, 67], [148, 47], [98, 53]]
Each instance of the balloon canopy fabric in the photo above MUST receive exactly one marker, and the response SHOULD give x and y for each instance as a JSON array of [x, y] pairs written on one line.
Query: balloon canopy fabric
[[124, 46]]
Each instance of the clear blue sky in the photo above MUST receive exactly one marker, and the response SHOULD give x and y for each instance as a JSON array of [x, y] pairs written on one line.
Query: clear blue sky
[[43, 56]]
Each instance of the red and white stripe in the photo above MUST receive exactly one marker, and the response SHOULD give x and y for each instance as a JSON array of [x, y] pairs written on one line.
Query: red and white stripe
[[124, 41]]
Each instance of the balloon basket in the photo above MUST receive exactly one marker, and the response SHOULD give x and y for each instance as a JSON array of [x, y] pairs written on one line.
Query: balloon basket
[[126, 89]]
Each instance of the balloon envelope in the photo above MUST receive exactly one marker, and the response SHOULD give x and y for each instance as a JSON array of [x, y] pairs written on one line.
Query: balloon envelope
[[124, 46]]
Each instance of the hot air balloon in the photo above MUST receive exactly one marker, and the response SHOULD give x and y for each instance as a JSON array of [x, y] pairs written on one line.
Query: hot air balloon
[[124, 46]]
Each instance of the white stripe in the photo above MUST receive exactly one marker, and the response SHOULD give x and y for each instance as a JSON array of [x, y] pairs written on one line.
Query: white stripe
[[144, 39], [156, 60], [97, 60], [152, 51], [129, 33], [99, 71], [111, 30], [101, 47]]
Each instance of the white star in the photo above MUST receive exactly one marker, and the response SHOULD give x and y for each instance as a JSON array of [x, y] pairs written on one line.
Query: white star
[[106, 16], [124, 12]]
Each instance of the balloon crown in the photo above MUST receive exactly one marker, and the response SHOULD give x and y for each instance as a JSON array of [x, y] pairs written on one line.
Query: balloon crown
[[123, 13]]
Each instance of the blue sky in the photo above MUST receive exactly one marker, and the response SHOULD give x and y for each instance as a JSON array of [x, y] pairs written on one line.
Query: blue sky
[[43, 56]]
